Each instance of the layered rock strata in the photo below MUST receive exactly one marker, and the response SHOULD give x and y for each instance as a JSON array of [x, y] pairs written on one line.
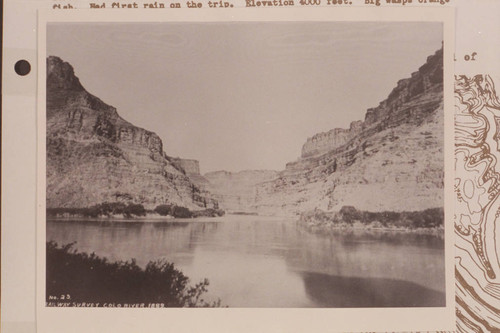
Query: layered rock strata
[[393, 160], [94, 155], [236, 191]]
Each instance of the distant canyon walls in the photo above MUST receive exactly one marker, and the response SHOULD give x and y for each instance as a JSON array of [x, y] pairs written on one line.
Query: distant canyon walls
[[237, 191], [391, 160]]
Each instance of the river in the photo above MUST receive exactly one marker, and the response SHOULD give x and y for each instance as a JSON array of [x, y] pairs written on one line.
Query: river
[[254, 261]]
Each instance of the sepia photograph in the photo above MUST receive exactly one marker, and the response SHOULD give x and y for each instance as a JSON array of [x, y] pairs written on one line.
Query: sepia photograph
[[245, 164]]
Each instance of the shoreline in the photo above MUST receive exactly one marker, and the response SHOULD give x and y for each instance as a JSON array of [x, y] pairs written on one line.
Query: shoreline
[[167, 219], [316, 228], [316, 221], [308, 226], [428, 221], [140, 219]]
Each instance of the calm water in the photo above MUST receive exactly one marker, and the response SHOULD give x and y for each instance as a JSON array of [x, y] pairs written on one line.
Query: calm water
[[254, 262]]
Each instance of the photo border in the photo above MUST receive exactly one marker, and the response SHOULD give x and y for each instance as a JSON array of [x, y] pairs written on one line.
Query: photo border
[[50, 319]]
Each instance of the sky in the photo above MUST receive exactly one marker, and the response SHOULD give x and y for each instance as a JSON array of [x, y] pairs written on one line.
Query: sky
[[242, 95]]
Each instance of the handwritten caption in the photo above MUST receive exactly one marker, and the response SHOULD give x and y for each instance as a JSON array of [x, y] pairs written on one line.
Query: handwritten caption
[[65, 300], [60, 304]]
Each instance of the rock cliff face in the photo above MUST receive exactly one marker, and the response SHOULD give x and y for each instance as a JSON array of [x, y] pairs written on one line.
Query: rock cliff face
[[94, 155], [324, 142], [236, 191], [393, 160], [190, 166]]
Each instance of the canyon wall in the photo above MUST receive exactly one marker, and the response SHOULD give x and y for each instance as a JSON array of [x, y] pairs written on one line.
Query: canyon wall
[[188, 165], [236, 191], [393, 160], [323, 142], [94, 155]]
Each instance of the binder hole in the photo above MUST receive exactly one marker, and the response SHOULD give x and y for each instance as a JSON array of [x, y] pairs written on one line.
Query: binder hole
[[22, 67]]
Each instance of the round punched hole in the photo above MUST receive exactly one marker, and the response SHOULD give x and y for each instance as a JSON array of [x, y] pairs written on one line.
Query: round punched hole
[[22, 67]]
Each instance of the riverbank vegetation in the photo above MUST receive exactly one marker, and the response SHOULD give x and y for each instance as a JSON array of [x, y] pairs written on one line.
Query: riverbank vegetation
[[131, 210], [100, 210], [183, 212], [350, 217], [76, 277]]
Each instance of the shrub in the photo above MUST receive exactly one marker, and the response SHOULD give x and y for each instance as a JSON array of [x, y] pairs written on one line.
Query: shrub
[[92, 279], [349, 214], [134, 209], [429, 218], [209, 212], [163, 210], [112, 208], [181, 212]]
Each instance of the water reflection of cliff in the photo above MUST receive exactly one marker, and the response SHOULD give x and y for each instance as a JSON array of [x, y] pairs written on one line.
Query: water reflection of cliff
[[353, 236], [413, 258], [346, 292]]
